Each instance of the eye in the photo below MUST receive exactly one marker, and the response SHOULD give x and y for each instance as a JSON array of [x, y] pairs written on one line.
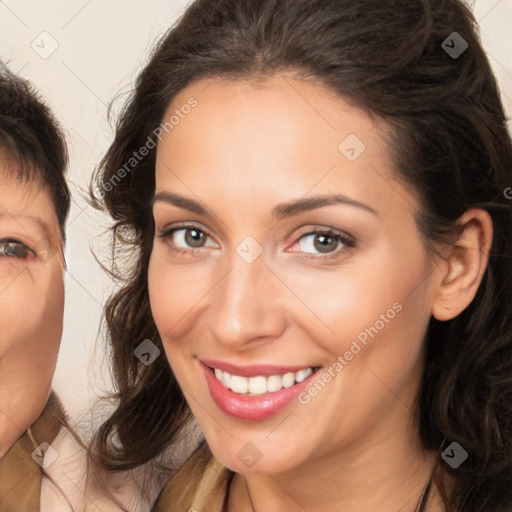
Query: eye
[[326, 242], [186, 238], [15, 249]]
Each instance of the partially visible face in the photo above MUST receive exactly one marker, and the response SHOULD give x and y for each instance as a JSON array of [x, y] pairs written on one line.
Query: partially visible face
[[31, 301], [251, 296]]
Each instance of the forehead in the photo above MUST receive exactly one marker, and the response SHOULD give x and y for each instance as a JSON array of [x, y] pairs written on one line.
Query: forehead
[[280, 136], [23, 195], [278, 98], [280, 114]]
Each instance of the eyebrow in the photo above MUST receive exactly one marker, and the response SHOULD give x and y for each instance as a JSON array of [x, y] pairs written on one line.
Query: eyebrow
[[280, 211], [14, 215]]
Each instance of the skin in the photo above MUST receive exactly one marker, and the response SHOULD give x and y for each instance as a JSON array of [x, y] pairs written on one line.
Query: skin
[[31, 301], [244, 149]]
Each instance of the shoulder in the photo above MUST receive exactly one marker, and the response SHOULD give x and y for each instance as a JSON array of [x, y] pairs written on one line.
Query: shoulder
[[201, 484], [21, 467]]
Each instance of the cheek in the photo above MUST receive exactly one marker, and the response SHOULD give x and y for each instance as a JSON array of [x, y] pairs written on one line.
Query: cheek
[[379, 318], [372, 293], [30, 329], [31, 316], [175, 294]]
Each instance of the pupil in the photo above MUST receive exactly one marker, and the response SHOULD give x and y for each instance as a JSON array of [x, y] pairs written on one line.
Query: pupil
[[325, 243], [195, 237]]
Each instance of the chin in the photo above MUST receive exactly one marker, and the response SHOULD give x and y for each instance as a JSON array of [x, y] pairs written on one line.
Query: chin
[[248, 459]]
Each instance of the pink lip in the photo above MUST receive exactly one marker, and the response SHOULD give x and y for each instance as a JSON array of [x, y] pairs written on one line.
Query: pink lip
[[252, 408]]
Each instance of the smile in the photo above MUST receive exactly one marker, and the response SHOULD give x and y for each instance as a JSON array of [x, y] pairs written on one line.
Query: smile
[[255, 393], [260, 385]]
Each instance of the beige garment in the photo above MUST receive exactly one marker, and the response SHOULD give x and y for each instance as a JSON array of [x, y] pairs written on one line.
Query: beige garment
[[58, 481], [65, 484], [70, 486], [201, 485], [132, 491], [20, 471], [138, 489]]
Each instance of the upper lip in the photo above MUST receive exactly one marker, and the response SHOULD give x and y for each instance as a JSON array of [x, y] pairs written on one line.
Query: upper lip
[[253, 370]]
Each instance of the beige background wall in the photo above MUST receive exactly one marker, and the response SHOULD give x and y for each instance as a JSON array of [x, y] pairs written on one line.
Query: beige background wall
[[80, 54]]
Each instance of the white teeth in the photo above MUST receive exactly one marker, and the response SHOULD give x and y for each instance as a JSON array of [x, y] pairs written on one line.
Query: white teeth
[[260, 385], [288, 380], [302, 374], [239, 384], [274, 383], [257, 385], [226, 379]]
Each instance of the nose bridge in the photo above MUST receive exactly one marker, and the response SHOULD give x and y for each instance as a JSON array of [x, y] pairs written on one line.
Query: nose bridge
[[244, 305]]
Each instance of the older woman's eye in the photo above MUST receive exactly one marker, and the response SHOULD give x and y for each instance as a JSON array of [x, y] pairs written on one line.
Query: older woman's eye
[[15, 249]]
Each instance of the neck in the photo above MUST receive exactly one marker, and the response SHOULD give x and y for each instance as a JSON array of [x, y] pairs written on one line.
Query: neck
[[386, 472]]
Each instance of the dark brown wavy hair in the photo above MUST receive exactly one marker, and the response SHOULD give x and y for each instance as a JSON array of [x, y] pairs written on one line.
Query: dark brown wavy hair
[[449, 143]]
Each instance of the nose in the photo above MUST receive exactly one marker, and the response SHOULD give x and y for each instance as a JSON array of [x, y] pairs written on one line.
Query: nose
[[246, 306]]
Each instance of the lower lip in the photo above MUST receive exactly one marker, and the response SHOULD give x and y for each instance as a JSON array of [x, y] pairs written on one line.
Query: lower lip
[[252, 408]]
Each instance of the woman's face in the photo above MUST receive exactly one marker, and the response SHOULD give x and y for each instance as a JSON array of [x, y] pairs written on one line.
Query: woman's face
[[239, 280], [31, 301]]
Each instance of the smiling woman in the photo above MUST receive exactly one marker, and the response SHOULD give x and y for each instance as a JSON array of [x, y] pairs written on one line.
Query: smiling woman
[[328, 222]]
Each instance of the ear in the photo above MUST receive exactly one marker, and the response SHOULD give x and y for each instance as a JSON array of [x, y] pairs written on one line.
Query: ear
[[461, 270]]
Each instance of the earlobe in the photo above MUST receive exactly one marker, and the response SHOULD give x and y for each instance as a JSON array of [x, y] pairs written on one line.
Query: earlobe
[[461, 271]]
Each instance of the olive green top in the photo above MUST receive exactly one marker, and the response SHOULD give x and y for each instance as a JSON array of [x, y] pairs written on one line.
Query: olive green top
[[201, 485]]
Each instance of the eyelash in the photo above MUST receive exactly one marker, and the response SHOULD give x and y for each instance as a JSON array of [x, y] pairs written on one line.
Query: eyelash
[[347, 240]]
